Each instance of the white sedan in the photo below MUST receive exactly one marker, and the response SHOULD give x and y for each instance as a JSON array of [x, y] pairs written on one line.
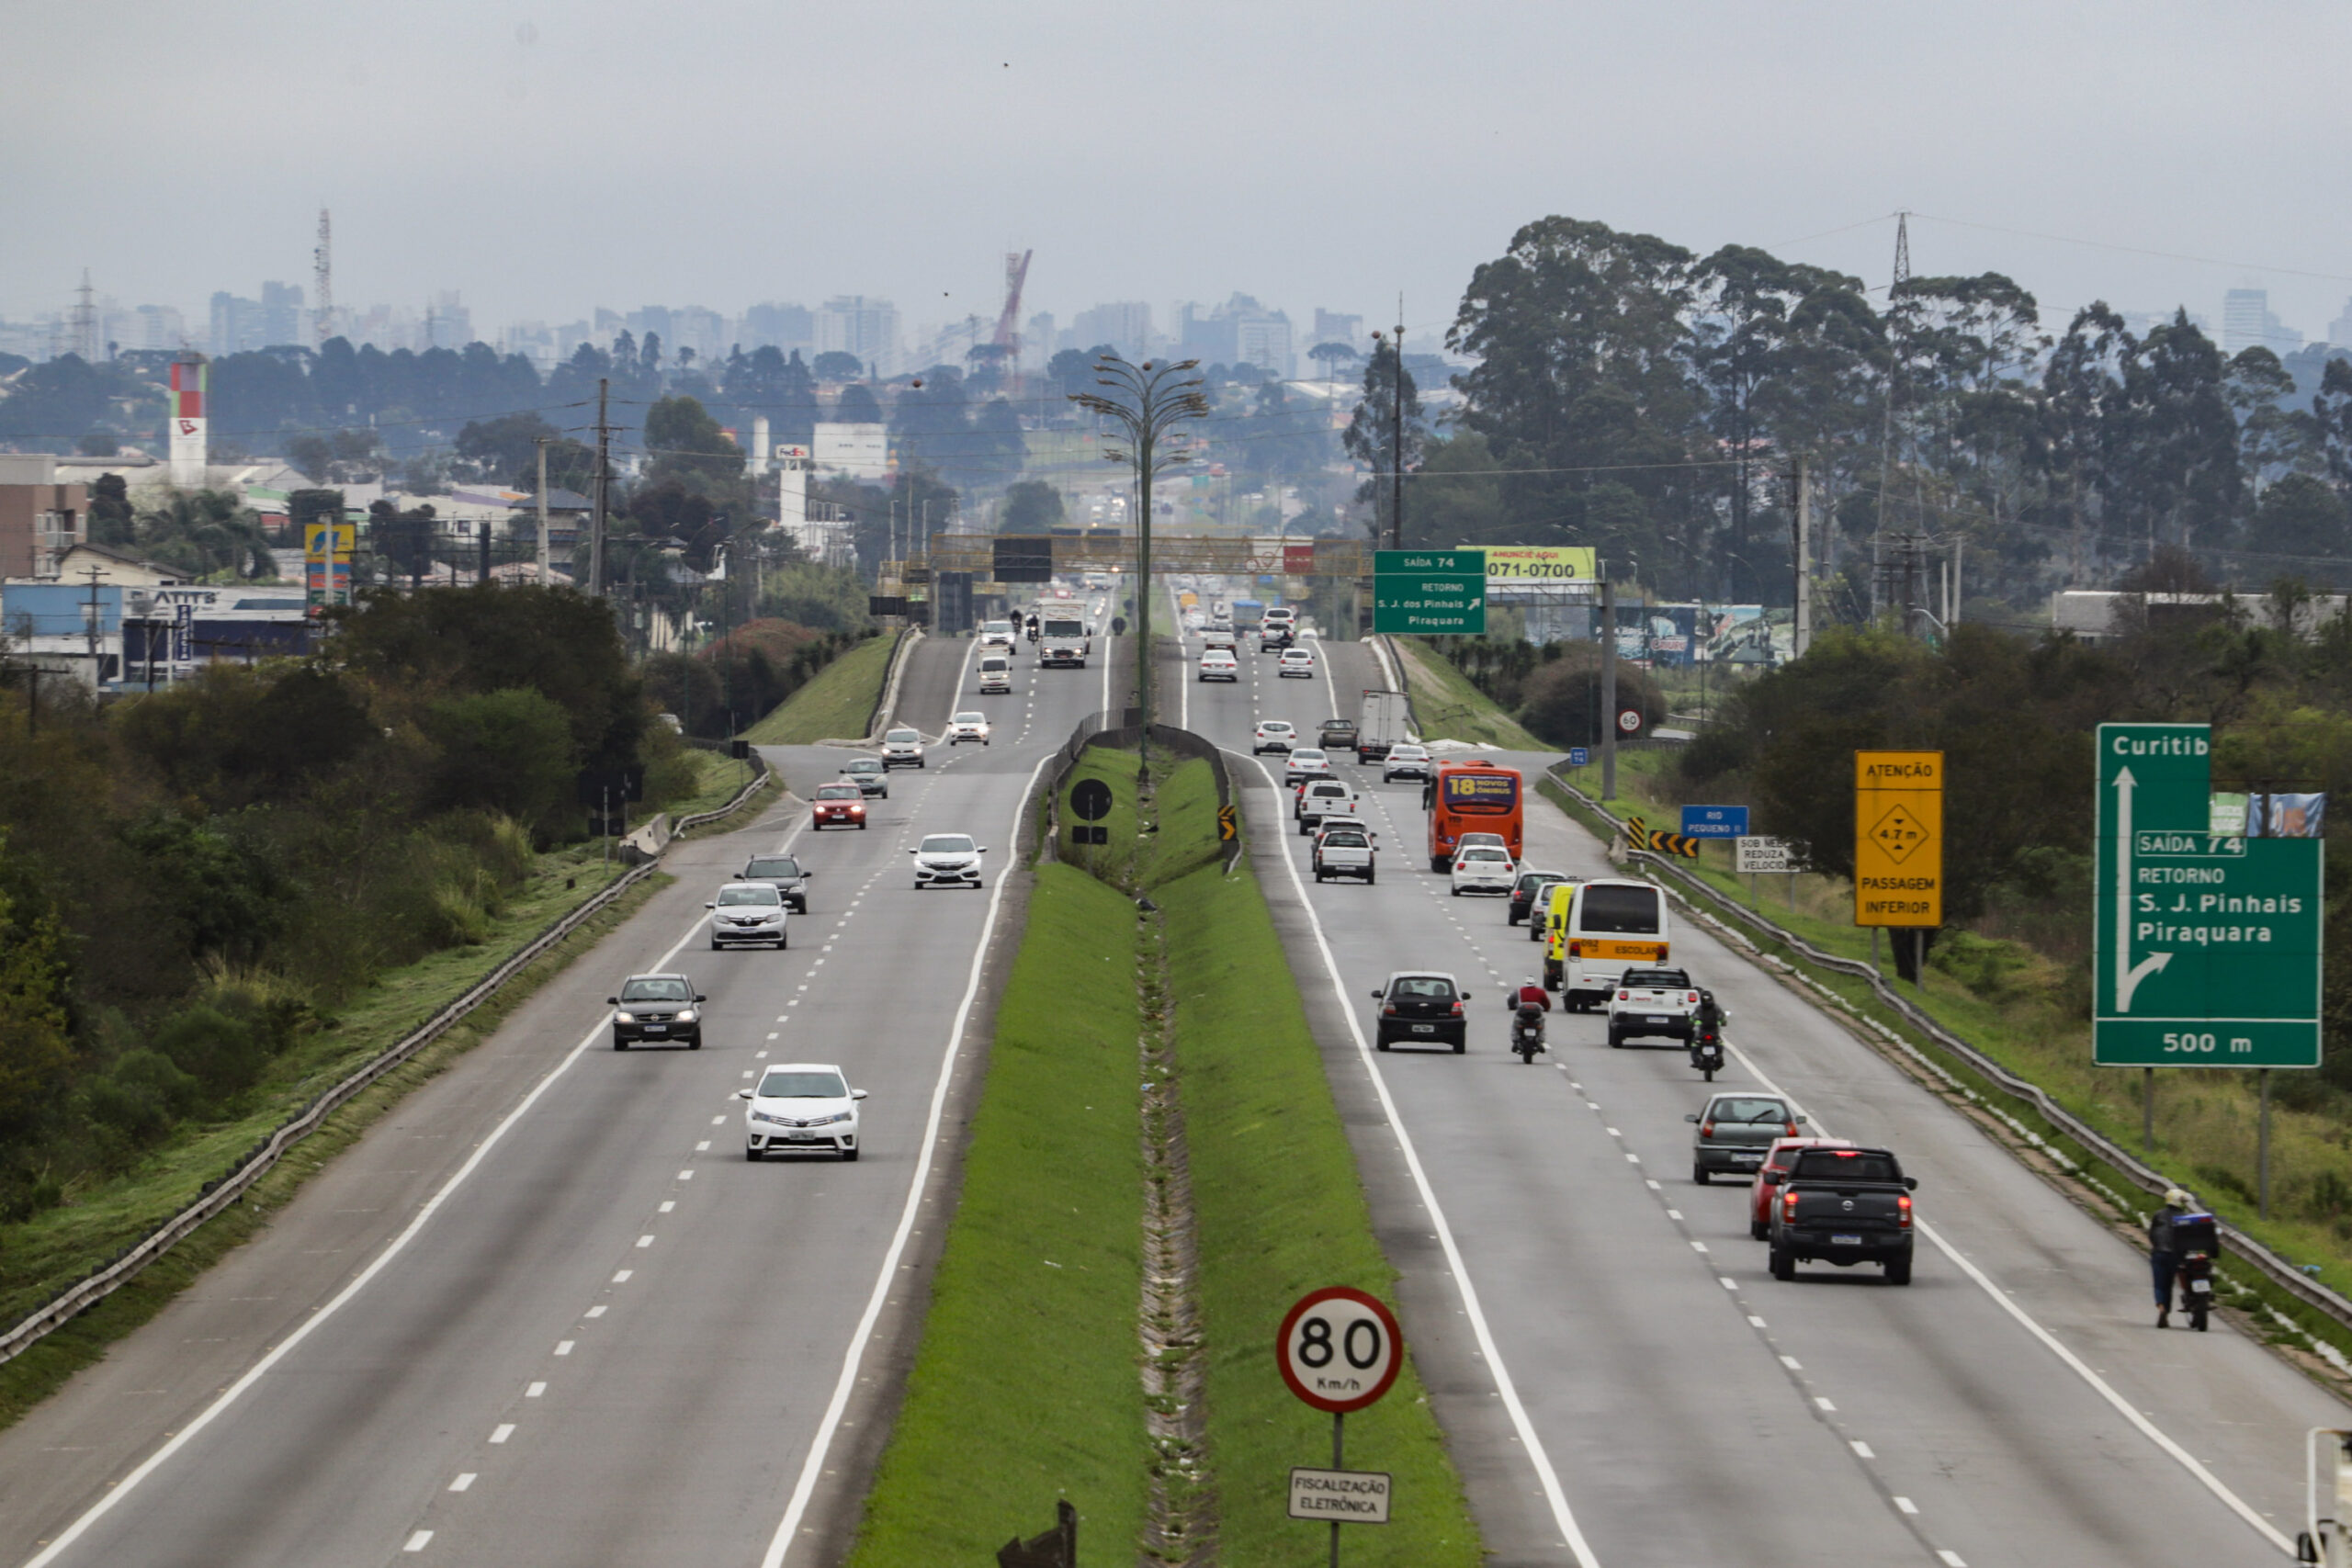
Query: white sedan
[[1274, 735], [947, 859], [1218, 664], [747, 912], [1298, 661], [1482, 868], [802, 1105], [1305, 762], [972, 726]]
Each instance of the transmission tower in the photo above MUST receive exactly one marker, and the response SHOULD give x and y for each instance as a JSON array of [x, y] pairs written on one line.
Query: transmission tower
[[86, 321], [322, 277], [1898, 384]]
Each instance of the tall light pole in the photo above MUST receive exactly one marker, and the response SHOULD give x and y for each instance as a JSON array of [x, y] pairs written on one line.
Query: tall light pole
[[1147, 400]]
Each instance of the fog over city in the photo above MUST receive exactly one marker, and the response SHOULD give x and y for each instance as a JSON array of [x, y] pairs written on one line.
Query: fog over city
[[541, 160]]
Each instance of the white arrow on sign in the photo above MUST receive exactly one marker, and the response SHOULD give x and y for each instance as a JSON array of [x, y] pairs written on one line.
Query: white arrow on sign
[[2127, 975]]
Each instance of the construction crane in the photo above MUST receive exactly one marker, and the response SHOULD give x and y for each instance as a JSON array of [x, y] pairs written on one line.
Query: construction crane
[[1007, 326]]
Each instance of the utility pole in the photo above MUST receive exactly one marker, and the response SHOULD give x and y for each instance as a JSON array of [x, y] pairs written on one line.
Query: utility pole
[[1396, 440], [542, 444], [90, 624], [604, 486], [1608, 685], [1801, 638]]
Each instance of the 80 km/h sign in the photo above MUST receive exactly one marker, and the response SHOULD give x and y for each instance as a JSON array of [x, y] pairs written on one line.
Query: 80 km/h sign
[[1340, 1350]]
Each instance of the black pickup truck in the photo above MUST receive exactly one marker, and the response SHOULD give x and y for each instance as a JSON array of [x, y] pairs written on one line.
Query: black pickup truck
[[1842, 1206]]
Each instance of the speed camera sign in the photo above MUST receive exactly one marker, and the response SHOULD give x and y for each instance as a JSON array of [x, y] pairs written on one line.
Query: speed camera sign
[[1340, 1350]]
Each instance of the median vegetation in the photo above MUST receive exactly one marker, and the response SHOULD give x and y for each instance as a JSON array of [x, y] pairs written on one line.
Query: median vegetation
[[836, 702], [1150, 1065]]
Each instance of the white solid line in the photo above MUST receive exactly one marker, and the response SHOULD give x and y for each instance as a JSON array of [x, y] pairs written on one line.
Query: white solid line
[[1548, 1477], [505, 1430], [416, 1543], [2074, 1363], [462, 1481], [798, 1506]]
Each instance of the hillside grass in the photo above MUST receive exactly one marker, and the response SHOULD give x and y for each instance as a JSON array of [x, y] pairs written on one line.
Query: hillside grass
[[834, 704], [1446, 706]]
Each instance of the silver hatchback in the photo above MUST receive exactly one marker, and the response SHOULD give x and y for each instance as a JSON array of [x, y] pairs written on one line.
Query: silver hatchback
[[1735, 1131]]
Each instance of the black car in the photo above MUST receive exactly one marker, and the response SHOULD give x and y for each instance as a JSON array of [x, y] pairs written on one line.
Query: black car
[[1336, 735], [785, 875], [1422, 1009], [1526, 891], [657, 1009], [869, 776]]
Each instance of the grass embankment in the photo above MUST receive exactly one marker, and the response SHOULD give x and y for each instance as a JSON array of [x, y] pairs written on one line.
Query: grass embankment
[[39, 1256], [2028, 1013], [718, 778], [834, 704], [1029, 1382], [1446, 706]]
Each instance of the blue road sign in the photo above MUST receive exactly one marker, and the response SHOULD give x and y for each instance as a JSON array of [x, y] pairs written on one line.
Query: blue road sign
[[1714, 821], [1579, 757]]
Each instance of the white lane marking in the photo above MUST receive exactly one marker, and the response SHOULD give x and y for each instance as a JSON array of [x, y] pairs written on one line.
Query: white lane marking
[[667, 1205], [360, 1282], [505, 1430], [686, 1175], [1755, 1321], [796, 1507], [1528, 1439], [1950, 1558], [463, 1481], [563, 1346], [645, 1241], [703, 1147], [535, 1391], [417, 1541], [1791, 1363], [2074, 1363], [622, 1277], [1904, 1504], [1822, 1403], [716, 1122], [593, 1312], [1862, 1450]]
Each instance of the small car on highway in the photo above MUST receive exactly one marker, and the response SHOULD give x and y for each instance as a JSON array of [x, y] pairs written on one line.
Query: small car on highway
[[656, 1009], [947, 859], [1218, 664], [1336, 735], [997, 634], [1305, 762], [1651, 1002], [902, 748], [1319, 801], [1404, 761], [1482, 868], [1421, 1007], [1344, 849], [1777, 1160], [970, 724], [1298, 661], [996, 674], [748, 912], [782, 873], [803, 1107], [1272, 735], [870, 776], [838, 804], [1527, 891], [1737, 1130]]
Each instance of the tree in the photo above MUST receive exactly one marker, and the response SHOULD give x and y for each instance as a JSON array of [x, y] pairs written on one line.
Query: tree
[[1031, 506], [112, 521], [504, 447], [508, 752], [689, 446], [857, 404], [1332, 355], [36, 1051], [2301, 517], [834, 366], [205, 535], [1371, 436]]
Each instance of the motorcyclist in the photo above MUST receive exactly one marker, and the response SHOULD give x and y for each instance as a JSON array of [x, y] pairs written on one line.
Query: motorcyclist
[[2164, 1254], [1706, 1019], [1529, 995]]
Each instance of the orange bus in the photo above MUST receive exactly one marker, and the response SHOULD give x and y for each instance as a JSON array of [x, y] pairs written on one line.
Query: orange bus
[[1473, 796]]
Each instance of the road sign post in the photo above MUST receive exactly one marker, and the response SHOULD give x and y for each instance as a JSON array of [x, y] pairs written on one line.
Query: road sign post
[[1899, 846], [1089, 801], [1429, 592], [1714, 821], [1340, 1350]]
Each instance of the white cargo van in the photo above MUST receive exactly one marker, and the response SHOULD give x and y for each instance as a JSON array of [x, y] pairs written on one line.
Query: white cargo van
[[996, 672]]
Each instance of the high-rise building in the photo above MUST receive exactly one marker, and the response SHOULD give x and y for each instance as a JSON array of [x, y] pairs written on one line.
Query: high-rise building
[[283, 320], [2246, 322], [703, 331], [1239, 332], [447, 322], [1124, 325], [868, 328], [2339, 331], [160, 326], [1038, 341], [1332, 327], [774, 325], [236, 325]]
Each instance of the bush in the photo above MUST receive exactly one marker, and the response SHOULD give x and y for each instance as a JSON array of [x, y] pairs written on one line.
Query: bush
[[507, 752], [1563, 697], [141, 1095], [223, 1054]]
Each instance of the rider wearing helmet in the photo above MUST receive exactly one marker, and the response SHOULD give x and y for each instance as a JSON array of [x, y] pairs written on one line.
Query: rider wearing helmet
[[1530, 995], [2164, 1256]]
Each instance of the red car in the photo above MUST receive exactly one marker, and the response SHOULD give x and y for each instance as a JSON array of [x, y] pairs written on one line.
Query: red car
[[840, 805], [1776, 1159]]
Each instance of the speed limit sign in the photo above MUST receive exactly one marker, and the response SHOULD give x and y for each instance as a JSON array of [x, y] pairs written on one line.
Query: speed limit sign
[[1629, 719], [1340, 1350]]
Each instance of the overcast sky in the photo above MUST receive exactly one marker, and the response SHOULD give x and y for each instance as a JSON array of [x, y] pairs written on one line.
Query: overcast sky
[[547, 158]]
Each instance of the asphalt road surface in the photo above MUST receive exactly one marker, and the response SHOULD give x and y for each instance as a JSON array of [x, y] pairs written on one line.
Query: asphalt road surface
[[1621, 1377], [545, 1313]]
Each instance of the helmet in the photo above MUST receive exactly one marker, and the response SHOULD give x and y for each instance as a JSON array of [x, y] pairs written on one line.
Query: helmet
[[2177, 1198], [1528, 980]]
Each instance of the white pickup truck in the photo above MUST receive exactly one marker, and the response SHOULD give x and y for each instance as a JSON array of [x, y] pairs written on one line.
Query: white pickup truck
[[1323, 800], [1651, 1002], [1344, 849]]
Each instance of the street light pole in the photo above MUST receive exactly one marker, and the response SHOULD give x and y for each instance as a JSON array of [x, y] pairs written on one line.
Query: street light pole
[[1147, 401]]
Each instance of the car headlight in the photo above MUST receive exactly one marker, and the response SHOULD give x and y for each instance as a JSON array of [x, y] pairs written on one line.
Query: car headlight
[[837, 1116], [624, 1018], [764, 1116], [685, 1015]]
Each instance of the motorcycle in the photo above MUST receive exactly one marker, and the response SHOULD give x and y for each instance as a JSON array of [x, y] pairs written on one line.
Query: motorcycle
[[2198, 1238], [1527, 1032], [1707, 1038]]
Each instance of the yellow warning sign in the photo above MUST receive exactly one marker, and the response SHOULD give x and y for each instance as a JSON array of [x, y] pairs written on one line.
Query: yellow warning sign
[[1229, 826], [1898, 838]]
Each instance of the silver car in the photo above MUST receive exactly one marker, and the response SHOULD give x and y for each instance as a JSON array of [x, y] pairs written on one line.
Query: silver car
[[1736, 1132], [748, 912]]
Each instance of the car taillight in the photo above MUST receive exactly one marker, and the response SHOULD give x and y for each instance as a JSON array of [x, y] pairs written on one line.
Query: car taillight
[[1576, 950], [1457, 1008], [1388, 1011], [1789, 1204], [1902, 1210], [1625, 996], [1706, 1129], [1692, 998]]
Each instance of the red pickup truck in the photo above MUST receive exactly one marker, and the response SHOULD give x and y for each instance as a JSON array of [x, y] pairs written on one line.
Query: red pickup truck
[[1842, 1206]]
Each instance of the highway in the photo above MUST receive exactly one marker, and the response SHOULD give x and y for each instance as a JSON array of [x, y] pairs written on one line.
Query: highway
[[545, 1313], [1620, 1377]]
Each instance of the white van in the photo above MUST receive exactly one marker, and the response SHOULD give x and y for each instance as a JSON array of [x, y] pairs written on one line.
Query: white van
[[1596, 930], [996, 673]]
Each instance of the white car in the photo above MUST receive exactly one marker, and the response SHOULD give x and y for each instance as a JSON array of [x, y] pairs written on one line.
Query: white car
[[1218, 664], [1298, 661], [1483, 841], [969, 726], [902, 748], [997, 634], [1483, 868], [1318, 800], [1305, 762], [947, 859], [1405, 761], [802, 1105], [1344, 849], [1281, 617], [1272, 735], [747, 911], [1651, 1001]]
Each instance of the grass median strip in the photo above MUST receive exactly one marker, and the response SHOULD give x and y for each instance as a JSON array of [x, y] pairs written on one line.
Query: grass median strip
[[835, 703], [1031, 1382]]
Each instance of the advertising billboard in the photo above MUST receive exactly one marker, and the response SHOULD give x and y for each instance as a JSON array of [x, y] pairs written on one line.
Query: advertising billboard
[[1540, 566]]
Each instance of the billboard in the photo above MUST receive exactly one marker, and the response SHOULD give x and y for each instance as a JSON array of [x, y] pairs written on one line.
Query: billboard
[[1540, 566], [860, 451]]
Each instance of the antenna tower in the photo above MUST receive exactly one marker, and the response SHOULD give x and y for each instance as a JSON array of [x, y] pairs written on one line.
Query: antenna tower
[[86, 322], [322, 277], [1008, 326], [1896, 384]]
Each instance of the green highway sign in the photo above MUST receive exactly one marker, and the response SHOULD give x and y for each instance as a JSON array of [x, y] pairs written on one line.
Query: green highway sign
[[2206, 945], [1425, 605], [1457, 563]]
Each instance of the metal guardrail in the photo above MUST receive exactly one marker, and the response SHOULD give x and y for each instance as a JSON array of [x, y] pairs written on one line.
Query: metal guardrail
[[256, 1162], [2277, 1269]]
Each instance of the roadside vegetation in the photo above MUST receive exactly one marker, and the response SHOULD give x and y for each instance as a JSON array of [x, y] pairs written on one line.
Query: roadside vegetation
[[835, 704], [1030, 1382]]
